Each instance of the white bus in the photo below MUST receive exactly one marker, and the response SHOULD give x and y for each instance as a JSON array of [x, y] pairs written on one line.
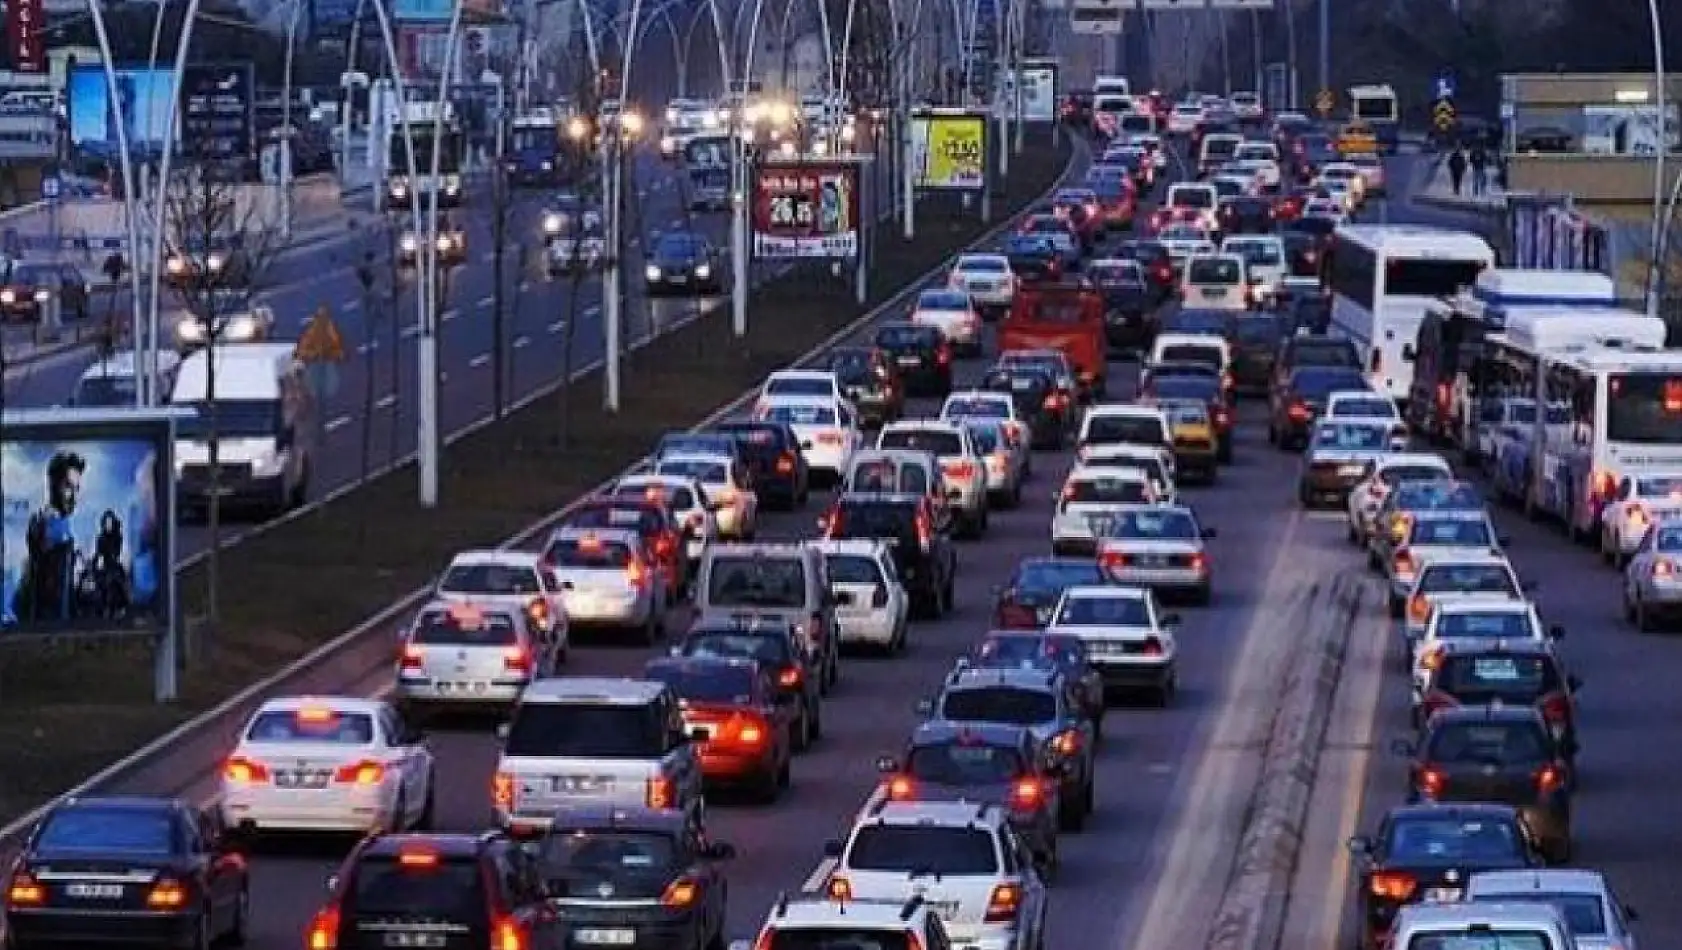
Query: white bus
[[1383, 277], [1619, 395]]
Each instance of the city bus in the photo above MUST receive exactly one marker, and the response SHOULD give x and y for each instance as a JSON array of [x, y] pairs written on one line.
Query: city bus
[[436, 138], [1382, 278], [534, 157], [1619, 399], [1375, 106]]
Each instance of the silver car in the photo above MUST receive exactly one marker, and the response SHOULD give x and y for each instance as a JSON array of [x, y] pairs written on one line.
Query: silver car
[[608, 579], [469, 656], [1598, 920], [1005, 456], [1653, 577], [962, 473], [1160, 547]]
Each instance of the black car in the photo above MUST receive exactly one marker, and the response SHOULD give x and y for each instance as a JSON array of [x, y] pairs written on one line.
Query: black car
[[772, 453], [921, 354], [29, 285], [411, 887], [1426, 853], [1524, 673], [922, 551], [651, 874], [1032, 257], [684, 262], [1026, 600], [1255, 343], [130, 870], [1295, 405], [1157, 263], [1502, 754], [1129, 303], [1014, 649], [1245, 214], [1303, 351], [870, 380], [778, 648], [1047, 408]]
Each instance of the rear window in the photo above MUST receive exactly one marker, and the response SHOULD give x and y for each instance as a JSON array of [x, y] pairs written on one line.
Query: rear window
[[1451, 532], [923, 440], [1431, 840], [1323, 384], [761, 647], [1121, 272], [1509, 674], [983, 265], [942, 300], [596, 852], [800, 386], [1192, 198], [1163, 524], [707, 683], [1016, 707], [1584, 913], [675, 496], [775, 583], [1099, 490], [885, 521], [704, 471], [641, 520], [801, 415], [965, 763], [886, 476], [1262, 329], [1467, 579], [839, 938], [1483, 940], [492, 579], [326, 726], [450, 890], [905, 337], [107, 830], [1367, 407], [1488, 625], [985, 408], [1265, 253], [1398, 474], [1341, 353], [586, 730], [1489, 743], [1104, 612], [930, 849], [1191, 353], [463, 628], [589, 554], [852, 569], [1143, 430], [1439, 494]]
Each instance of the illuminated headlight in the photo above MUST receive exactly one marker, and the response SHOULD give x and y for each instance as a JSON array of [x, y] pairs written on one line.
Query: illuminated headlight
[[189, 330], [780, 113], [240, 330], [399, 187], [652, 273], [1351, 469], [8, 296], [703, 271], [668, 144], [213, 263], [176, 265], [552, 224], [452, 185], [409, 244]]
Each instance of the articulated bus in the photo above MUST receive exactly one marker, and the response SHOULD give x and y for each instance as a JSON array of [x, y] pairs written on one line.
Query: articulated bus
[[1443, 398], [1382, 278], [1376, 107], [1620, 394]]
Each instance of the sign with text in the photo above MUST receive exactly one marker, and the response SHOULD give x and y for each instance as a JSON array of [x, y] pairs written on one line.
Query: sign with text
[[216, 111], [949, 149], [805, 210], [26, 47], [1174, 4], [1037, 82], [1241, 4]]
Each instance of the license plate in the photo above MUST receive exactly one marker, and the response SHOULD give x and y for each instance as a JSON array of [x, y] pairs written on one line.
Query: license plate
[[680, 279], [414, 940], [94, 891], [1213, 293], [1153, 560], [606, 938], [910, 361], [577, 783], [1021, 385], [301, 779], [1442, 895]]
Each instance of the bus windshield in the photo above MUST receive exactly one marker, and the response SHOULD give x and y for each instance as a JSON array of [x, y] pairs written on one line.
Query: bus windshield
[[1374, 108], [1644, 408], [1412, 277], [449, 156]]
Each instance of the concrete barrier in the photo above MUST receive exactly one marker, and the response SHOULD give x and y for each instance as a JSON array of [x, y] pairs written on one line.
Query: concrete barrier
[[1252, 910]]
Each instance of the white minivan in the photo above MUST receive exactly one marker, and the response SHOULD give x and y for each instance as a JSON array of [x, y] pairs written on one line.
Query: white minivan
[[1215, 282], [266, 426]]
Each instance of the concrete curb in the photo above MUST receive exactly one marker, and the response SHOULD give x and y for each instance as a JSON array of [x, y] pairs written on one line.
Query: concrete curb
[[1461, 205], [213, 720], [1254, 904]]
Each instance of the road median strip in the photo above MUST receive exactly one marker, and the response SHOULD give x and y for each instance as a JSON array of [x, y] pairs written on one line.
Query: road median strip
[[290, 593]]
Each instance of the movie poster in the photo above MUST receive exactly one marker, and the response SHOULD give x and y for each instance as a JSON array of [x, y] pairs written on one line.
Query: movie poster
[[83, 539]]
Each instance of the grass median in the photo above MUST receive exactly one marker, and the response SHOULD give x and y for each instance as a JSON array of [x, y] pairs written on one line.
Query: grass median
[[73, 710]]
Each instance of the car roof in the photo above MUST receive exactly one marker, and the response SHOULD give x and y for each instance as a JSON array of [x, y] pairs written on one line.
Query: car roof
[[1528, 880], [982, 677], [1107, 591], [446, 844], [494, 558], [984, 733], [623, 691], [1426, 810], [1519, 645], [573, 818]]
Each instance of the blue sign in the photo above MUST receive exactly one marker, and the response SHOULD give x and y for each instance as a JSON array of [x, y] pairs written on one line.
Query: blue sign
[[1444, 87]]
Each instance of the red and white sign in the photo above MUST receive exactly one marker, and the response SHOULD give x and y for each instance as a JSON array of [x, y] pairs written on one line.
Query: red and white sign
[[805, 209], [25, 20]]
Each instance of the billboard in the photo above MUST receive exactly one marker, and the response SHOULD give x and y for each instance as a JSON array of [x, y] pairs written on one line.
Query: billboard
[[439, 11], [142, 108], [216, 111], [805, 209], [26, 47], [949, 150], [85, 541], [1038, 82]]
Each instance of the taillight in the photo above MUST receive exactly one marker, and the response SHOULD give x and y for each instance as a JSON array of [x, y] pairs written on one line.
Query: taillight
[[961, 471], [1419, 610], [1003, 903], [516, 660], [790, 677], [1200, 562], [507, 934], [830, 438], [840, 889], [1222, 418], [925, 530], [1152, 647], [25, 891], [900, 789], [166, 894], [1066, 743], [1403, 564], [665, 545], [1432, 782], [366, 772], [661, 793], [1055, 401], [1299, 412], [242, 769], [680, 893], [1435, 702], [1664, 569], [324, 929], [1431, 659], [1027, 795], [1112, 560], [785, 463], [412, 657], [1556, 710], [502, 791], [636, 572], [1392, 885], [1604, 484], [538, 612], [943, 356], [745, 730], [1444, 394], [1637, 517], [1550, 778]]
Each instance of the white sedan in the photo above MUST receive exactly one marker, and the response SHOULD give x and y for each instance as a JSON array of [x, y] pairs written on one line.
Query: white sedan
[[987, 279], [325, 764], [954, 313], [729, 492], [828, 429], [1640, 502]]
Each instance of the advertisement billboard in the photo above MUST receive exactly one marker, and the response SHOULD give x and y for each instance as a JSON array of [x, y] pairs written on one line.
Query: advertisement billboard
[[1038, 81], [949, 150], [142, 109], [216, 111], [439, 11], [85, 541], [805, 209], [26, 48]]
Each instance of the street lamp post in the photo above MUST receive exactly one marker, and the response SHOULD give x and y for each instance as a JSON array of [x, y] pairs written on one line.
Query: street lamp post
[[143, 392], [1661, 226]]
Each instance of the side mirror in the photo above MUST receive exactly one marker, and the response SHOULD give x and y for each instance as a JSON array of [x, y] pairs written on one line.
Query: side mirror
[[1574, 682], [887, 763], [1210, 534], [1556, 632], [1360, 845], [1171, 620], [719, 851], [925, 707], [1403, 748], [832, 849]]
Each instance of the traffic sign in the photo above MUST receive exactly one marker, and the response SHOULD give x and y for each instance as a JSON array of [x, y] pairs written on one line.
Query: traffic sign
[[1443, 115], [50, 187], [1444, 87], [1324, 102], [320, 341]]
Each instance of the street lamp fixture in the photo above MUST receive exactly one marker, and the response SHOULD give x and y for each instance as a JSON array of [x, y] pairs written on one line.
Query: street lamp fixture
[[630, 125], [578, 129]]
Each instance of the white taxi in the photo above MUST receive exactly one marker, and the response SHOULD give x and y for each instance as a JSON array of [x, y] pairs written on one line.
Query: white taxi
[[1090, 499], [1432, 535], [326, 764], [728, 487], [954, 314], [828, 429], [1382, 476], [1640, 502]]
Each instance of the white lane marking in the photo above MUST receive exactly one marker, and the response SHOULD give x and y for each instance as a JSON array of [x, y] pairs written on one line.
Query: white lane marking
[[386, 401], [479, 360], [557, 326], [593, 310], [486, 301], [335, 425], [351, 304], [820, 874], [366, 348], [451, 315], [521, 342], [411, 331]]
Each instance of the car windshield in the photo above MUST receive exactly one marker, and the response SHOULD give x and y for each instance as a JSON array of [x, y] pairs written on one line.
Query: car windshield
[[1451, 532], [802, 385], [1207, 354], [800, 414], [724, 683], [1143, 430], [1263, 253], [852, 569], [1106, 490], [678, 247], [926, 849], [1476, 675], [589, 553], [750, 581], [1451, 839], [1438, 494], [464, 627], [982, 265], [490, 579], [450, 889], [761, 647], [936, 441], [1467, 579], [1016, 707], [605, 852], [1515, 742], [1394, 475], [1161, 524], [1104, 612], [1485, 625], [1350, 438], [91, 828], [324, 726], [1585, 914], [942, 300], [586, 731], [964, 763], [705, 471]]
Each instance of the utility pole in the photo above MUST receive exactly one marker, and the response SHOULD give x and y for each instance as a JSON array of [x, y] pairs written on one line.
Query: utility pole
[[501, 206], [1325, 44]]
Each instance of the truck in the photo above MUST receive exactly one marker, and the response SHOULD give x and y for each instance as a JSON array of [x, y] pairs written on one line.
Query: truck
[[535, 155], [1066, 314], [445, 144]]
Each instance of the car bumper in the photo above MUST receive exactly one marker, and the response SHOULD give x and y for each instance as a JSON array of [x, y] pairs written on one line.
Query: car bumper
[[670, 282], [611, 928], [984, 937], [1661, 596], [827, 458], [607, 609], [874, 627], [1162, 579], [252, 489], [732, 768], [86, 927], [448, 693], [1133, 673], [289, 809]]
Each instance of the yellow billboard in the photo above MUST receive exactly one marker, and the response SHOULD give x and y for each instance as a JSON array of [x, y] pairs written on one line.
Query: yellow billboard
[[949, 150]]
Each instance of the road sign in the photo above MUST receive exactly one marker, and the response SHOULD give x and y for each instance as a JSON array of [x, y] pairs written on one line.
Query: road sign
[[321, 341], [1174, 4], [50, 187], [1444, 87], [1443, 115], [1324, 102]]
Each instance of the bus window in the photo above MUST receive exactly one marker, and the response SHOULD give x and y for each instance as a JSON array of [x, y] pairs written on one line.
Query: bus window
[[1644, 408]]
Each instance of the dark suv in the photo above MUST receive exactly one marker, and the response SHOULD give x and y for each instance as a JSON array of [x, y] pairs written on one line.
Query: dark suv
[[450, 891], [772, 453], [921, 354], [923, 552]]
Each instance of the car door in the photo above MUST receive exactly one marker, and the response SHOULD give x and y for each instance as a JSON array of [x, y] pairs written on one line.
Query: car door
[[409, 755], [678, 761], [208, 842]]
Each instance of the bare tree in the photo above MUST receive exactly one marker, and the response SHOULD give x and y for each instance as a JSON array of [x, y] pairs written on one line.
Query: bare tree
[[502, 213], [223, 245], [581, 174]]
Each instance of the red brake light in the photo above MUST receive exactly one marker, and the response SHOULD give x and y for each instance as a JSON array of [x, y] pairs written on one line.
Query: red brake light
[[1403, 563], [636, 572], [1112, 560], [1056, 400], [963, 471], [680, 893], [509, 935], [944, 355], [324, 929], [1027, 795], [661, 793], [900, 789], [516, 660], [1066, 743], [1392, 885], [1299, 412], [785, 463], [1419, 610], [1432, 782], [366, 772], [412, 657], [840, 889], [790, 677], [241, 769], [25, 891], [1200, 561], [417, 859], [1556, 710], [1152, 647], [1003, 903]]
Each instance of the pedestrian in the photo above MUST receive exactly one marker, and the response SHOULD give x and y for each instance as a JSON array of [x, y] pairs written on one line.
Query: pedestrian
[[1456, 169], [1480, 170]]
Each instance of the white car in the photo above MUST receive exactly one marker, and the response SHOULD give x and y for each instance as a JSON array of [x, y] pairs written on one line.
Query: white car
[[1437, 534], [954, 314], [1475, 620], [1247, 106], [687, 501], [1215, 282], [987, 404], [1590, 908], [1641, 501], [1129, 639], [1091, 499], [1117, 422], [728, 486], [1160, 547], [1361, 405], [1185, 118], [328, 763], [513, 580], [1372, 173], [1263, 171], [1384, 475], [987, 279], [1327, 209], [610, 580], [1155, 461], [802, 383], [1256, 152], [1183, 241], [872, 607], [1459, 577], [1264, 261], [828, 429], [963, 472]]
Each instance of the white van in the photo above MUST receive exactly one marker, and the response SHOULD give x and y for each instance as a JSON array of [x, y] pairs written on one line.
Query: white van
[[266, 422], [1215, 282], [1217, 149], [112, 382]]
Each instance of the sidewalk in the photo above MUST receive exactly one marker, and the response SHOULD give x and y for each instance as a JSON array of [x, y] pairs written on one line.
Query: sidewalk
[[1435, 189]]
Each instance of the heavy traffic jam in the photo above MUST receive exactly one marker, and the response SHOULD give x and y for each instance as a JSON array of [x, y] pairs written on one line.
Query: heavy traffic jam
[[1219, 246]]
